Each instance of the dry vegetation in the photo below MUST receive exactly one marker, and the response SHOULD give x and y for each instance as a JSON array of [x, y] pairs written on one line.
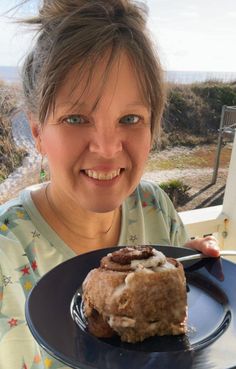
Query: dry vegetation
[[10, 156], [192, 114]]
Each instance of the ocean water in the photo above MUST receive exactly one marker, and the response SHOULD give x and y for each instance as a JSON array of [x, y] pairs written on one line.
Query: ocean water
[[187, 77], [11, 75]]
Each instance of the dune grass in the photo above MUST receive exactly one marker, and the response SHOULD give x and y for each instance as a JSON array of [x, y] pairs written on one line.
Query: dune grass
[[10, 155]]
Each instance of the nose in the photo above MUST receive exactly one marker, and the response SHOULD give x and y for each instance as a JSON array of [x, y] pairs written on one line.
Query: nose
[[106, 142]]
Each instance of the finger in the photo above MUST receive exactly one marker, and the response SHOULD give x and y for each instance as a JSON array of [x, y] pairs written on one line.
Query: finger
[[207, 245], [210, 247]]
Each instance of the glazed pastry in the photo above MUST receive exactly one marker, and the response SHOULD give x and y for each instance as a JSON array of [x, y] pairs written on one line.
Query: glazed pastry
[[136, 293]]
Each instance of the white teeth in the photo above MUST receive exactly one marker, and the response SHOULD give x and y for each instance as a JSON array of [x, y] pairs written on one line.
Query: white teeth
[[102, 176]]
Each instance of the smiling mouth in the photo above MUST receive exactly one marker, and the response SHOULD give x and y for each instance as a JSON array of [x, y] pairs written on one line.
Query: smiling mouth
[[102, 176]]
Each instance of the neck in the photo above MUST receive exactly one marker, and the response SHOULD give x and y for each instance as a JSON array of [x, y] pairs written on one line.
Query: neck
[[83, 225]]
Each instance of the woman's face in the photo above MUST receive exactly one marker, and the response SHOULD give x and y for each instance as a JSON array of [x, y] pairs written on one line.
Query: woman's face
[[97, 156]]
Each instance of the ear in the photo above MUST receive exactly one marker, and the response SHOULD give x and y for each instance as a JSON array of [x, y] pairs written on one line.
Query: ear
[[36, 130]]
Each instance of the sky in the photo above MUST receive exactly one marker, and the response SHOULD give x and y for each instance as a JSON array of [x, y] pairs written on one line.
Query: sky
[[191, 35]]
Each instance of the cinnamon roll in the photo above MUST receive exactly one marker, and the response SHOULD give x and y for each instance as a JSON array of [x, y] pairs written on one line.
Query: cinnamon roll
[[136, 293]]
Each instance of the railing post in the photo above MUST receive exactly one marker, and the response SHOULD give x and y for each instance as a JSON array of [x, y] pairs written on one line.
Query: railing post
[[219, 143], [229, 202]]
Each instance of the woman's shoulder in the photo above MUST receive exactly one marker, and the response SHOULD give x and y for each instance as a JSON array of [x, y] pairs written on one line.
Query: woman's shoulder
[[17, 206], [147, 185], [12, 215], [150, 194], [10, 208], [149, 188]]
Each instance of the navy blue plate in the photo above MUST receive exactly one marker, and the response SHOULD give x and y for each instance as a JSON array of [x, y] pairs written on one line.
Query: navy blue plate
[[55, 318]]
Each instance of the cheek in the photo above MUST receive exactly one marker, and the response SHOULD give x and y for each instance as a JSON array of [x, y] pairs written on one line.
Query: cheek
[[54, 148], [61, 143], [141, 148], [58, 148]]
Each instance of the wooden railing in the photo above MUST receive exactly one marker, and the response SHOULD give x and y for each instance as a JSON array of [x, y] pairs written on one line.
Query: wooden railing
[[205, 221]]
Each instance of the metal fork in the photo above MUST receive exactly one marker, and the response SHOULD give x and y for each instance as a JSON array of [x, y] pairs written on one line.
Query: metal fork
[[202, 256]]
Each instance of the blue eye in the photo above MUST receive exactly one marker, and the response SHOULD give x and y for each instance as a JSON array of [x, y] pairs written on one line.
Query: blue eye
[[130, 119], [75, 119]]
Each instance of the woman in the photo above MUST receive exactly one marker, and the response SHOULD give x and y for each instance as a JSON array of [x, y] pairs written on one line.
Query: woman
[[94, 95]]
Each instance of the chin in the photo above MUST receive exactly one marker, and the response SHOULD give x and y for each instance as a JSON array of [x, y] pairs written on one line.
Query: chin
[[104, 201]]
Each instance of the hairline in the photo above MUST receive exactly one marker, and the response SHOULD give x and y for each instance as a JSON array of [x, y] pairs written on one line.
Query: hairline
[[89, 69]]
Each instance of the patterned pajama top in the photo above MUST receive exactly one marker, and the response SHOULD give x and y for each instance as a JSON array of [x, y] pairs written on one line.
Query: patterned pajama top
[[29, 248]]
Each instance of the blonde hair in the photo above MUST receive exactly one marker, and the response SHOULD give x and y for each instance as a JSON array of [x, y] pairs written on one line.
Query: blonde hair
[[80, 32]]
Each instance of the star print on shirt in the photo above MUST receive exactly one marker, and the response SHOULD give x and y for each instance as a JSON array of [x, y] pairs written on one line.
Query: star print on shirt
[[154, 202], [6, 221], [35, 234], [34, 265], [12, 322], [25, 270], [37, 359], [20, 214], [3, 227], [6, 280], [133, 238], [28, 285], [48, 362]]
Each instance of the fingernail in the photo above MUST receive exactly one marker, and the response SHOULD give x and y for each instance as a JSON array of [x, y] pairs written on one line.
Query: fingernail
[[213, 245]]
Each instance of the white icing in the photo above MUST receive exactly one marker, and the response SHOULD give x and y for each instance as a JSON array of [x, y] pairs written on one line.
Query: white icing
[[156, 263], [141, 269], [164, 267], [121, 321]]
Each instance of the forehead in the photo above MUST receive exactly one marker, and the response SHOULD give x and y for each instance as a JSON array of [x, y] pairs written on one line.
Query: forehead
[[102, 82]]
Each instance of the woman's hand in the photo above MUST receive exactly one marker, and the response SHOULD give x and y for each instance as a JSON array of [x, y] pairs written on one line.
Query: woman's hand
[[207, 245]]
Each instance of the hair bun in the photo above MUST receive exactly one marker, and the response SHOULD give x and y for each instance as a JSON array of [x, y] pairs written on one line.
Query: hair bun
[[53, 11]]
